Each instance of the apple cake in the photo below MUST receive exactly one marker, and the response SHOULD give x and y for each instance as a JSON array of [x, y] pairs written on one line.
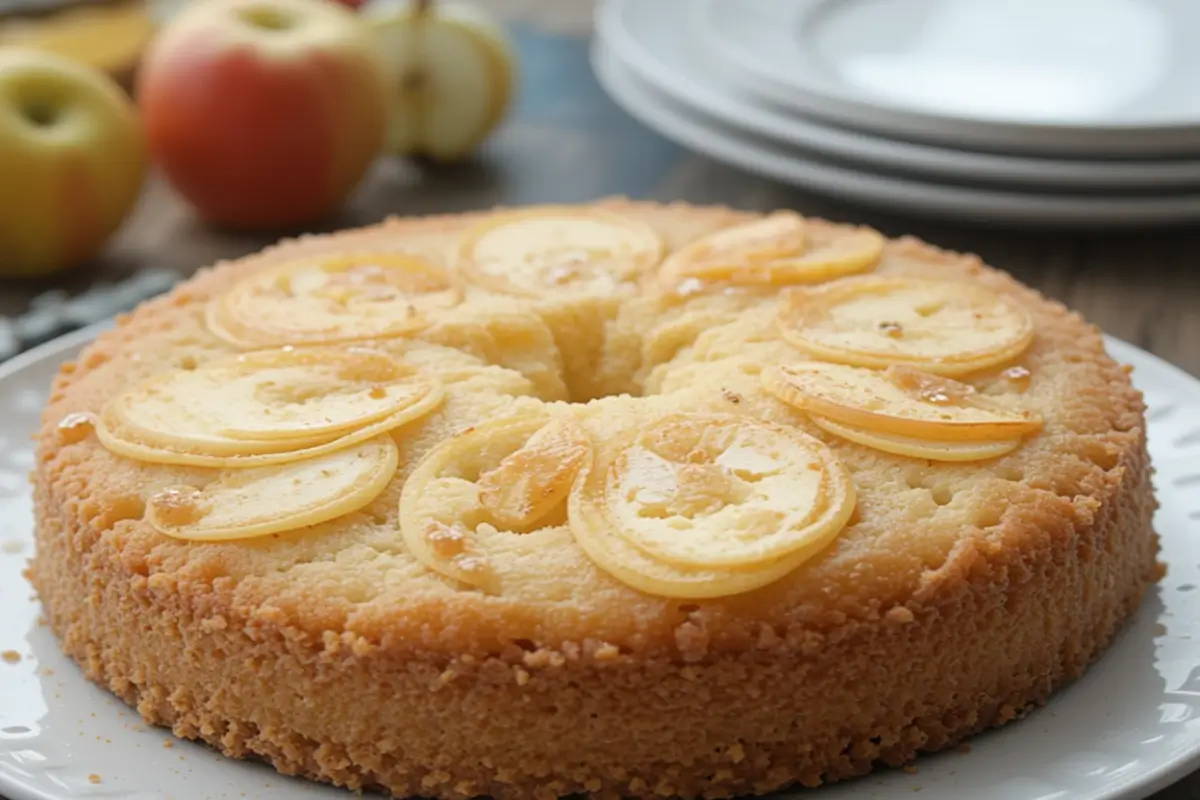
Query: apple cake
[[622, 499]]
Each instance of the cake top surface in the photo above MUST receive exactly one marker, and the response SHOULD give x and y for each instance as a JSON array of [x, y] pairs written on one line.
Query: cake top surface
[[606, 428]]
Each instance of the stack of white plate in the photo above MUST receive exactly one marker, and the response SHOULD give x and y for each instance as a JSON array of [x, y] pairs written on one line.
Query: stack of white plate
[[1011, 111]]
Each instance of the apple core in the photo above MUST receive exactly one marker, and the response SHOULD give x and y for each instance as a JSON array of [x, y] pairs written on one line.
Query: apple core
[[267, 18]]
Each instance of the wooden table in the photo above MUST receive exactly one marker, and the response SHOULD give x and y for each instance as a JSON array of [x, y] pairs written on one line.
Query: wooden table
[[568, 142]]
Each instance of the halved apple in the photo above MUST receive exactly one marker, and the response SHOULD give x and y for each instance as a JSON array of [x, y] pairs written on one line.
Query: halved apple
[[455, 73]]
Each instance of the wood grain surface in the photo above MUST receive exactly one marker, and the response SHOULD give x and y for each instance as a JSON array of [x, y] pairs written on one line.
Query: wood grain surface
[[567, 142]]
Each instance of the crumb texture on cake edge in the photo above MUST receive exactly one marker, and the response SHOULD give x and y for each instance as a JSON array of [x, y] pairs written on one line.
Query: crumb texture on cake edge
[[974, 649]]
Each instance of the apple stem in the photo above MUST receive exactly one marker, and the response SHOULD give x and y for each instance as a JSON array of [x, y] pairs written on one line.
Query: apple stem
[[421, 7]]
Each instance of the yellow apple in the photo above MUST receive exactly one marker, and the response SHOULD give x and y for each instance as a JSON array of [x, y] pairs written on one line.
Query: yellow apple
[[72, 157], [454, 71]]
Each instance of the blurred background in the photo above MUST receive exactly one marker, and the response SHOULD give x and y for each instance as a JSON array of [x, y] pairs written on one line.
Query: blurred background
[[140, 141]]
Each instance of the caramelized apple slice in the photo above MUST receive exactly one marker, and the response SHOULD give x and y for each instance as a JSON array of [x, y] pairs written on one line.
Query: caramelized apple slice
[[297, 395], [919, 448], [592, 530], [775, 251], [332, 298], [550, 248], [943, 327], [247, 503], [501, 478], [900, 401], [216, 451], [531, 481], [779, 235], [715, 492]]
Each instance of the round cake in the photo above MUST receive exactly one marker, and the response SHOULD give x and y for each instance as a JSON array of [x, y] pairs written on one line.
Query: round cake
[[623, 499]]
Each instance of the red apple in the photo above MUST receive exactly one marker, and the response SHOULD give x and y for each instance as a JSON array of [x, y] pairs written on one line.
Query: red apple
[[264, 113]]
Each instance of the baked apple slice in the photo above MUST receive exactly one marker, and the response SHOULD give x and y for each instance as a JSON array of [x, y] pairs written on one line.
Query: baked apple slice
[[939, 326], [246, 503], [265, 408], [504, 477], [776, 250], [558, 250], [899, 401], [333, 299]]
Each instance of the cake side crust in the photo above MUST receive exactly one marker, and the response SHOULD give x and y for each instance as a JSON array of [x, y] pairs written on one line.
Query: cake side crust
[[1100, 430], [443, 692], [998, 632]]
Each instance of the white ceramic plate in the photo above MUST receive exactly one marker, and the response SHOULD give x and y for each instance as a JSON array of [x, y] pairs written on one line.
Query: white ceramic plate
[[645, 35], [1128, 728], [908, 196], [1025, 75]]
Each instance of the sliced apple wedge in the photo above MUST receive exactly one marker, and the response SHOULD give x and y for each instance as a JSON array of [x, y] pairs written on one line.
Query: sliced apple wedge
[[454, 74]]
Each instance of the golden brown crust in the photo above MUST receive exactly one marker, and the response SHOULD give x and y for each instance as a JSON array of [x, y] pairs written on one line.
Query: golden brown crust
[[1010, 579]]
